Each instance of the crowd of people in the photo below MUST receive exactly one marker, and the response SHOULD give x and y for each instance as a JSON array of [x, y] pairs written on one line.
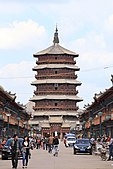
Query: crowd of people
[[16, 148], [46, 143], [50, 144], [105, 143]]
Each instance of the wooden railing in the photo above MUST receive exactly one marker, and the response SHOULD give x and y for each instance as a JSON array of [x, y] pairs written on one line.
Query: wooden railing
[[56, 92], [56, 61], [46, 108], [56, 76]]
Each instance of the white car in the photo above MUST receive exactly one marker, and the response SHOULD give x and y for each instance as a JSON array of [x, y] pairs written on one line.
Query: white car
[[70, 141]]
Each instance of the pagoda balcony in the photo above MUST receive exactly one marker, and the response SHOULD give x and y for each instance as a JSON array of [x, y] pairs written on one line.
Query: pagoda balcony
[[68, 61], [56, 92], [56, 76], [61, 108]]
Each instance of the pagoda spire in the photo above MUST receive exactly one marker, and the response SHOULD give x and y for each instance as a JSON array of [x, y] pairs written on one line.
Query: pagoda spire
[[56, 39]]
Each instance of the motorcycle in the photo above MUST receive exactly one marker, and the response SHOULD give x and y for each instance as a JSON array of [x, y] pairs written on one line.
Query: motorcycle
[[103, 153]]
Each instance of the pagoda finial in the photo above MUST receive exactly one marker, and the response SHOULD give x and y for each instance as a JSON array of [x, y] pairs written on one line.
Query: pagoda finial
[[56, 39], [112, 79]]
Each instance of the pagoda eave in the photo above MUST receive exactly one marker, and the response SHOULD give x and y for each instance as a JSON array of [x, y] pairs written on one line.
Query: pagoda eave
[[59, 81], [56, 97], [37, 55], [55, 49], [56, 66], [55, 113], [55, 119]]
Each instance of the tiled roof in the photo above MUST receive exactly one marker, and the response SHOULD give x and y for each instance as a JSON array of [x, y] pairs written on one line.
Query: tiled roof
[[56, 97], [48, 113], [55, 119], [55, 49], [51, 66], [59, 81], [66, 125]]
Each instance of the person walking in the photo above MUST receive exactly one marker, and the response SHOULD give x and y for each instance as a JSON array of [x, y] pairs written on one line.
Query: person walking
[[38, 143], [25, 151], [50, 144], [15, 148], [55, 145], [110, 144]]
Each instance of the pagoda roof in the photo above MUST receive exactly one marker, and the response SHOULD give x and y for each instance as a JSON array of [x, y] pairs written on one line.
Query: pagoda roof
[[35, 122], [55, 49], [55, 119], [56, 97], [43, 66], [44, 125], [59, 81], [55, 113], [66, 125], [8, 94]]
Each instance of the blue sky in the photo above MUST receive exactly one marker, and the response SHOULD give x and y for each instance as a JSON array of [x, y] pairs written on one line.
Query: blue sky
[[85, 27]]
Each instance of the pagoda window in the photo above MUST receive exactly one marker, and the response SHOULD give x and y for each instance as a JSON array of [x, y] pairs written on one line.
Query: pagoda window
[[56, 104], [56, 88], [55, 72], [56, 85]]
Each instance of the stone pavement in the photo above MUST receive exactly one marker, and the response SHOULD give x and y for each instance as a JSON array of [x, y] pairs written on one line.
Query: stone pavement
[[41, 159], [66, 160]]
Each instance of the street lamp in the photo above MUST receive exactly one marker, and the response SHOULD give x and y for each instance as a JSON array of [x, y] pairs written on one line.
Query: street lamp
[[90, 119], [1, 124], [25, 127], [32, 131], [100, 115], [83, 127], [8, 115], [18, 119]]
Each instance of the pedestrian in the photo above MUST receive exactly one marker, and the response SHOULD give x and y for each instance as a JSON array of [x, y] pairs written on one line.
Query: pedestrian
[[46, 143], [25, 151], [55, 145], [50, 143], [93, 143], [15, 148], [110, 144], [38, 143]]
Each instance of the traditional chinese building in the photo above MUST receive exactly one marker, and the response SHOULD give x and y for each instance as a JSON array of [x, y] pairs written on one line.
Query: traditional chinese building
[[55, 96], [97, 118], [13, 116]]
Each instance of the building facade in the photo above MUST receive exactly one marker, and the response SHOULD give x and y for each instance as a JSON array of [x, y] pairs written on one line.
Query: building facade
[[55, 96], [13, 116], [97, 119]]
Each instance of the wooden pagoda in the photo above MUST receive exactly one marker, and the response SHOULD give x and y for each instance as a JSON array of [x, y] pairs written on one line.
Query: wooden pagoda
[[55, 96]]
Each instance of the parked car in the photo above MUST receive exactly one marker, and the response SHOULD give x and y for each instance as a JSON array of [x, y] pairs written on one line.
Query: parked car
[[70, 141], [69, 135], [6, 150], [1, 146], [82, 146], [2, 143]]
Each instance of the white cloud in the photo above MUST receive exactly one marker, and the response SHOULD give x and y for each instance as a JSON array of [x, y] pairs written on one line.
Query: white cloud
[[84, 27], [17, 79], [21, 34], [109, 24]]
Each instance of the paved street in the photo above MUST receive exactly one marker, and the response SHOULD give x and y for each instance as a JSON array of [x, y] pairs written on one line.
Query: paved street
[[41, 159]]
